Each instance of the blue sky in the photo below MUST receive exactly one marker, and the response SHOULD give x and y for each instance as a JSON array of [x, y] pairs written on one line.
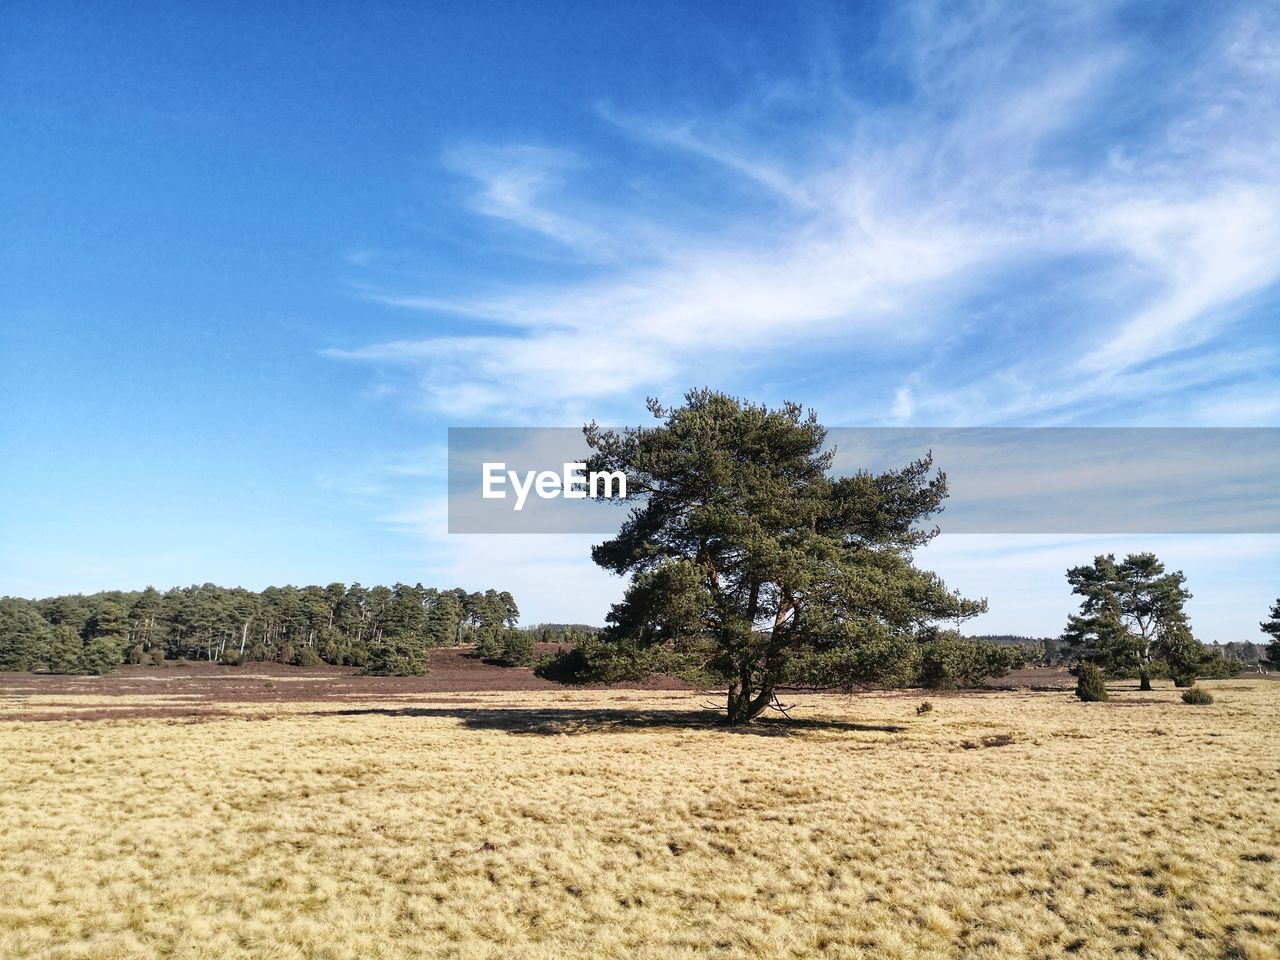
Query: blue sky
[[256, 258]]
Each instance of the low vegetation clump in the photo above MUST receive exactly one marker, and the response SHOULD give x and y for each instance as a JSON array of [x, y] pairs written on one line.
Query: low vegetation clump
[[1091, 685], [948, 661], [396, 656], [1198, 696], [517, 648]]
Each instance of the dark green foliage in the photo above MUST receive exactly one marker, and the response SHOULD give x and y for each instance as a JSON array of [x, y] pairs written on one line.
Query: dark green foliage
[[596, 659], [397, 656], [1091, 686], [551, 632], [1216, 666], [100, 655], [1184, 656], [566, 665], [28, 642], [1198, 696], [1271, 628], [489, 616], [949, 660], [517, 648], [488, 642], [66, 650], [1131, 614], [24, 635], [1040, 651], [303, 625], [751, 567], [941, 660], [443, 618], [306, 657]]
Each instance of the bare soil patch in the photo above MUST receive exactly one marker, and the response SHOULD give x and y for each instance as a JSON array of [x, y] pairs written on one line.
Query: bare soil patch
[[193, 688]]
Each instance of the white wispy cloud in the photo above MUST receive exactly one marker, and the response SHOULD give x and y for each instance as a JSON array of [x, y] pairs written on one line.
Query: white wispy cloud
[[1031, 213], [521, 184], [1000, 161]]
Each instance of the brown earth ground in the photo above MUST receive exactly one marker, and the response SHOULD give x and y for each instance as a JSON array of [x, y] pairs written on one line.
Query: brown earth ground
[[190, 688], [194, 688]]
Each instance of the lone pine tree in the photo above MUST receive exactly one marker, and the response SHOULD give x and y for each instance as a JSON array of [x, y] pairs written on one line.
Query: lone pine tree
[[1131, 614], [750, 566]]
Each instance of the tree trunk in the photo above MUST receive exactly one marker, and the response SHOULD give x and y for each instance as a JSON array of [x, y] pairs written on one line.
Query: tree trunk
[[1145, 680], [743, 707]]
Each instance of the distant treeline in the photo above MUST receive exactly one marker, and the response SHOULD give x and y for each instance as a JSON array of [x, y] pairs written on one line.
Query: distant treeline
[[382, 629], [560, 632], [1040, 651], [1052, 652]]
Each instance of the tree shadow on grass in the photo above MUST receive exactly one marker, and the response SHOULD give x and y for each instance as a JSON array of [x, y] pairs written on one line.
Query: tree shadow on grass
[[552, 721]]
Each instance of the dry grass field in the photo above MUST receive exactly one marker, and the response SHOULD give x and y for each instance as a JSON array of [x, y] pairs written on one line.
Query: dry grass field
[[599, 824]]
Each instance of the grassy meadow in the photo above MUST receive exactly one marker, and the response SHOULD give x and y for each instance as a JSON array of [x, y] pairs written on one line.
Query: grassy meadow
[[608, 824]]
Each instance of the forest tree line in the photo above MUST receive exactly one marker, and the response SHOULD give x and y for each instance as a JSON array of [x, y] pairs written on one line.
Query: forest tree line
[[1225, 659], [385, 630]]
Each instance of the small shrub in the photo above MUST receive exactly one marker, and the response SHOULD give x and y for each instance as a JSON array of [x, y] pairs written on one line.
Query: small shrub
[[517, 648], [1090, 685], [925, 707], [564, 666], [1197, 695], [307, 657], [396, 656], [488, 645]]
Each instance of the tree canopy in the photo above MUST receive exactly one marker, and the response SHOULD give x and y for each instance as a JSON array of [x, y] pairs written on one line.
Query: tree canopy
[[751, 566], [382, 629], [1131, 616]]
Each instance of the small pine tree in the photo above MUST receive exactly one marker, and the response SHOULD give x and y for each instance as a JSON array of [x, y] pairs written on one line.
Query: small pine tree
[[1198, 696], [101, 655], [1131, 615], [1090, 685], [65, 650], [517, 648], [488, 643], [396, 656]]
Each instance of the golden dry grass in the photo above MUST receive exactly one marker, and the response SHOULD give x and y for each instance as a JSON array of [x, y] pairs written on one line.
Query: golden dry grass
[[560, 825]]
